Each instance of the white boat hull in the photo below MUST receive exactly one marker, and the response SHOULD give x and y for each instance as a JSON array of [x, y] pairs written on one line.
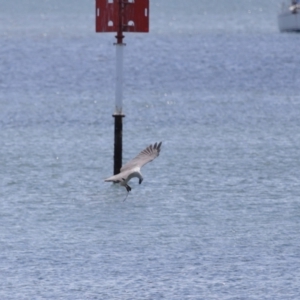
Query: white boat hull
[[288, 21]]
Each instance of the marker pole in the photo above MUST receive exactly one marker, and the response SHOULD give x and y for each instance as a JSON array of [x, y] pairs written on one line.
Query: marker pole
[[118, 115]]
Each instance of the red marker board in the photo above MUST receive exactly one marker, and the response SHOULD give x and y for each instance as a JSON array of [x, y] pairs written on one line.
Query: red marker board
[[135, 15]]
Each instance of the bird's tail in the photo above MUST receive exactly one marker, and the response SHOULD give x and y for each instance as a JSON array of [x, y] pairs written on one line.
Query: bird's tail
[[111, 179]]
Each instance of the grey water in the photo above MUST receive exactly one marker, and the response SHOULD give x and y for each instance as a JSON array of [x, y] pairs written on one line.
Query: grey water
[[218, 213]]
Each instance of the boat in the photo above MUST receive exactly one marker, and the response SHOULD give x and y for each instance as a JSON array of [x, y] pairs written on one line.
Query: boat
[[289, 17]]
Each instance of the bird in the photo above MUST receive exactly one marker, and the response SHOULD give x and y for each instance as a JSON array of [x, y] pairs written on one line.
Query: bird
[[133, 168]]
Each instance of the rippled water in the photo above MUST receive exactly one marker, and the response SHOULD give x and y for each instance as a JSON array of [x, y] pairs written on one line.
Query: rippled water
[[217, 215]]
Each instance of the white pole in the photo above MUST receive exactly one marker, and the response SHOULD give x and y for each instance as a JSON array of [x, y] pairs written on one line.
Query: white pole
[[119, 79]]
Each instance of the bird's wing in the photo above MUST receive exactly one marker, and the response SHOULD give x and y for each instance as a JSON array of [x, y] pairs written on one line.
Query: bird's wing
[[143, 157]]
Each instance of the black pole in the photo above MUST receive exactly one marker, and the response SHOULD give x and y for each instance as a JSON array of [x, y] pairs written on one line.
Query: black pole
[[118, 143]]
